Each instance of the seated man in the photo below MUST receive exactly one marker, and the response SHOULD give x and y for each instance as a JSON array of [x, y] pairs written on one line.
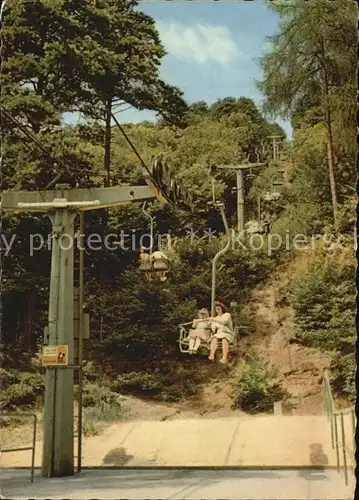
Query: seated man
[[145, 263]]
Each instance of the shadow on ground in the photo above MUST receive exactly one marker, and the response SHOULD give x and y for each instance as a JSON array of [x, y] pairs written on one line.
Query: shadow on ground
[[117, 456], [153, 483]]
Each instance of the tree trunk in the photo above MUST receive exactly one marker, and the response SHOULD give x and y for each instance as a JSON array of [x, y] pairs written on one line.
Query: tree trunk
[[107, 160], [26, 328], [330, 146], [331, 167]]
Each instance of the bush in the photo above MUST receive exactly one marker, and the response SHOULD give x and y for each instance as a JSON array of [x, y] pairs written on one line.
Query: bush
[[138, 384], [100, 405], [91, 372], [89, 428], [17, 395], [324, 305], [95, 395], [8, 378], [33, 380], [25, 390], [256, 386], [343, 375], [95, 416]]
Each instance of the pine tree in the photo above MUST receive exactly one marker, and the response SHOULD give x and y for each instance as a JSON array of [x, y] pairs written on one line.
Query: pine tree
[[312, 60]]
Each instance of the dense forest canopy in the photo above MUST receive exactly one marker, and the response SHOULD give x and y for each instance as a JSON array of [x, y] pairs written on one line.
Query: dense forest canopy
[[96, 57]]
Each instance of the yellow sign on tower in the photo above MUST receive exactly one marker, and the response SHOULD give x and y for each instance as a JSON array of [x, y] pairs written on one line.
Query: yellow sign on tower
[[55, 355]]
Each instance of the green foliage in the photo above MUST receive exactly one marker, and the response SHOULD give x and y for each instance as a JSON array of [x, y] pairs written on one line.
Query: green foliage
[[21, 389], [324, 305], [91, 371], [101, 405], [95, 395], [256, 385], [139, 384], [347, 216], [167, 379], [8, 377], [85, 53], [343, 368], [327, 47], [309, 77]]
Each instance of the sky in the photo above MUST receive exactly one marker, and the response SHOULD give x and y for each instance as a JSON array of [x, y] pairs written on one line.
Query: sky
[[213, 49]]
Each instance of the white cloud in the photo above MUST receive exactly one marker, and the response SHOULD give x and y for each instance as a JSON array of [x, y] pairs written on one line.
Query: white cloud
[[200, 43]]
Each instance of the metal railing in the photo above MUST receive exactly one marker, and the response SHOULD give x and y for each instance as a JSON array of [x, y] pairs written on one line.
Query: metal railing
[[25, 448], [338, 428]]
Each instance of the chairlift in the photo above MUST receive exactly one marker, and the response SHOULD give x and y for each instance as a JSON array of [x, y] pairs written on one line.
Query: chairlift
[[254, 227], [184, 328], [271, 196], [205, 347], [250, 174], [155, 265], [253, 157]]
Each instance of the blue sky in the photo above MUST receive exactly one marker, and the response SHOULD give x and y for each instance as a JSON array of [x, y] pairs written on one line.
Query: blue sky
[[212, 48]]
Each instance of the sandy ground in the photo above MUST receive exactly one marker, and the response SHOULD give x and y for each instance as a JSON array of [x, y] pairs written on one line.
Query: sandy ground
[[257, 441]]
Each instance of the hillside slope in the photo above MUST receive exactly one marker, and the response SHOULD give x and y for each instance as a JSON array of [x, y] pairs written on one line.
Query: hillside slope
[[272, 322]]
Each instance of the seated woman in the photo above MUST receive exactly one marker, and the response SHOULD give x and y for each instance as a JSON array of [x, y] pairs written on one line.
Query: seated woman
[[200, 331], [160, 263], [222, 327]]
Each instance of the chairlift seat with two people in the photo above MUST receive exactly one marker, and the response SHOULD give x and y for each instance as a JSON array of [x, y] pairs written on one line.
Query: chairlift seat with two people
[[271, 196], [207, 334], [254, 227], [155, 265], [205, 347]]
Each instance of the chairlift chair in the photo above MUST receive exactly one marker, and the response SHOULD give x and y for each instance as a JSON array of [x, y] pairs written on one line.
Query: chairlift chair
[[155, 269], [155, 265], [254, 227], [250, 174], [184, 328], [205, 347], [271, 196]]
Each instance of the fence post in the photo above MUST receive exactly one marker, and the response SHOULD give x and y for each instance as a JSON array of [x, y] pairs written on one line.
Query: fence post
[[328, 406], [354, 428], [336, 441], [24, 448], [344, 450], [33, 449], [332, 430]]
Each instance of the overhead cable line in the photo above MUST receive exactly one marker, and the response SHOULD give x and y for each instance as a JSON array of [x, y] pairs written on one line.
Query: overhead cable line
[[55, 161]]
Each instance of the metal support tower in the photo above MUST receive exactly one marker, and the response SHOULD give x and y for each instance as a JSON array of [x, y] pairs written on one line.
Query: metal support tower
[[62, 206], [239, 169], [218, 255]]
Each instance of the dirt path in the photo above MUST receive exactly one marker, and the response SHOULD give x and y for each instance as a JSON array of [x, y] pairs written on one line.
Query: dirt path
[[135, 410]]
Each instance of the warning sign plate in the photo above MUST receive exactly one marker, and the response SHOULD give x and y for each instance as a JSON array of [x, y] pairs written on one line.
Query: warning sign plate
[[54, 355]]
